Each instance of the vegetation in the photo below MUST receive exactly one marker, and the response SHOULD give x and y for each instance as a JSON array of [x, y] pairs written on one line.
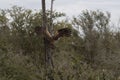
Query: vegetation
[[89, 54]]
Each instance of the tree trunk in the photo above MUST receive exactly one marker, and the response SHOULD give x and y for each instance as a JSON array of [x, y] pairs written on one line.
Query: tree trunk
[[48, 52]]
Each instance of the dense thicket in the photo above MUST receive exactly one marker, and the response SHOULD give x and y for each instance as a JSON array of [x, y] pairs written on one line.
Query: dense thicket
[[89, 54]]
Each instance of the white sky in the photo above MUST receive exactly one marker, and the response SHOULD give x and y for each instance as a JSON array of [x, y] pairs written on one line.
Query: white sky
[[70, 7]]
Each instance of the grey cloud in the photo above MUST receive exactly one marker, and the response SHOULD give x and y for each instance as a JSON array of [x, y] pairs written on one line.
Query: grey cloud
[[70, 7]]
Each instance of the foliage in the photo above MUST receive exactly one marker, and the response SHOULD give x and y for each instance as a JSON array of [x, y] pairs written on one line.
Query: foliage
[[92, 56]]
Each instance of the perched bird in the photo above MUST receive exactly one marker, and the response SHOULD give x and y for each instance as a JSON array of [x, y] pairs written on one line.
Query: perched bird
[[64, 32]]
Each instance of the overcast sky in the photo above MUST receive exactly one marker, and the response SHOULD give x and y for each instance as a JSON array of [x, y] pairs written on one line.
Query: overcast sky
[[70, 7]]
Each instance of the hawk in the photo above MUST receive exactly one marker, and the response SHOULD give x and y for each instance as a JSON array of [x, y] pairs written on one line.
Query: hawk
[[64, 32]]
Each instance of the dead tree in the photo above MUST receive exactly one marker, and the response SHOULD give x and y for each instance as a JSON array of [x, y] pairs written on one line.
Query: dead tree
[[49, 39]]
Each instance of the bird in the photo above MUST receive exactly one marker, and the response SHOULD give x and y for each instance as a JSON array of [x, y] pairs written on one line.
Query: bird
[[63, 32]]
